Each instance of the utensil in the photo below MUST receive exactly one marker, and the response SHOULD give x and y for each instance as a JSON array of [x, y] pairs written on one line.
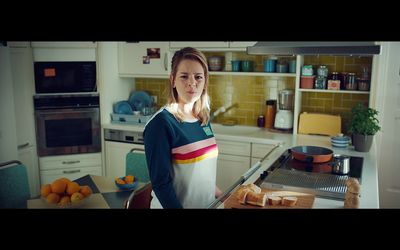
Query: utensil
[[312, 154]]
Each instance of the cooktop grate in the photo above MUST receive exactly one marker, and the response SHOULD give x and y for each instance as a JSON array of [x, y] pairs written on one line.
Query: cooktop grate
[[323, 185]]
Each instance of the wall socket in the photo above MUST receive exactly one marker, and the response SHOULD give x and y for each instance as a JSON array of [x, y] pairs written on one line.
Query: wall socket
[[154, 98]]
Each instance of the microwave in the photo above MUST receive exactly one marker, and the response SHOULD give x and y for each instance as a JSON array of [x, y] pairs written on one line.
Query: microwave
[[65, 77]]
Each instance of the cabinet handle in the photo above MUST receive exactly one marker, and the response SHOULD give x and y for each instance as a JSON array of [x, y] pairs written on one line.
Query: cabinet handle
[[71, 171], [70, 162], [23, 145], [166, 61]]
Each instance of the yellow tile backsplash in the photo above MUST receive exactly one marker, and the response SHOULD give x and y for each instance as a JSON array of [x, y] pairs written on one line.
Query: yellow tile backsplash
[[251, 92]]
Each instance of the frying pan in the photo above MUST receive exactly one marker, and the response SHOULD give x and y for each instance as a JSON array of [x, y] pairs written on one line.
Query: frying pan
[[312, 154]]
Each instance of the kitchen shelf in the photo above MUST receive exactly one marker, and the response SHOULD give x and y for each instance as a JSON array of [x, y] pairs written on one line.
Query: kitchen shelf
[[231, 73], [334, 91]]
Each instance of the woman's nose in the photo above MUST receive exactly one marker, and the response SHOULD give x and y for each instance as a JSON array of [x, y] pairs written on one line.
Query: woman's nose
[[191, 81]]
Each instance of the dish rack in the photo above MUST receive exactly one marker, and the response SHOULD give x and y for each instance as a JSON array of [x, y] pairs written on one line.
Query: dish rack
[[130, 119]]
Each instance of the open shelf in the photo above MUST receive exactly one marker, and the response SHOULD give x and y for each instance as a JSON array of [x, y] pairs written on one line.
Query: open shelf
[[231, 73], [334, 91]]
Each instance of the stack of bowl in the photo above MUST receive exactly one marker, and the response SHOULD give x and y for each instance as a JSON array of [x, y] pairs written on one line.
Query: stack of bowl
[[340, 141]]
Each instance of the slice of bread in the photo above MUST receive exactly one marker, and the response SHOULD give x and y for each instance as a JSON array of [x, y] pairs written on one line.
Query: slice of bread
[[289, 201], [274, 200], [242, 195], [256, 199]]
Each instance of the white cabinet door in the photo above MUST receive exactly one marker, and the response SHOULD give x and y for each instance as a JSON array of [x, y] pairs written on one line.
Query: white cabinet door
[[199, 45], [116, 157], [24, 89], [69, 166], [234, 148], [241, 44], [260, 150], [28, 157], [229, 169], [144, 59]]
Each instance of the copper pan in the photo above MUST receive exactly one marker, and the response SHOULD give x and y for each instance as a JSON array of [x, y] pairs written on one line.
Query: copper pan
[[312, 154]]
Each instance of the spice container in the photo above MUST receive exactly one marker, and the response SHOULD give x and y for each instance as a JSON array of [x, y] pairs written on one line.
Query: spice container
[[270, 113], [261, 121], [363, 84]]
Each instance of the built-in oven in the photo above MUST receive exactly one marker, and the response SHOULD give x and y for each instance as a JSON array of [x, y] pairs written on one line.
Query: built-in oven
[[67, 124]]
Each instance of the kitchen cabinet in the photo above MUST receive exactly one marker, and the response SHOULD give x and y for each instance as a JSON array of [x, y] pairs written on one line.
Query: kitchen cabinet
[[115, 153], [230, 168], [213, 46], [64, 51], [24, 88], [69, 166], [199, 45], [233, 161], [258, 151], [144, 59], [63, 44]]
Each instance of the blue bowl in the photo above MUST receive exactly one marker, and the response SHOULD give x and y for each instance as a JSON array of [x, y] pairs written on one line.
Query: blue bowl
[[128, 186]]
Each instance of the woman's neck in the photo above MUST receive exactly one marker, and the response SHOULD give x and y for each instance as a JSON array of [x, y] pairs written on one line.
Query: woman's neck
[[184, 109]]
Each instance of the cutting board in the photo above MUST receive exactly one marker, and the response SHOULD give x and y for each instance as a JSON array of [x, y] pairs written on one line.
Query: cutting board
[[320, 124], [303, 200]]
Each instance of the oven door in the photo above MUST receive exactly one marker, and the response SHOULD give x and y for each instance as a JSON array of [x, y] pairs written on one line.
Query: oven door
[[68, 131]]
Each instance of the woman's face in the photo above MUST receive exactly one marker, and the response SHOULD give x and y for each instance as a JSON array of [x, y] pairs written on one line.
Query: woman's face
[[189, 81]]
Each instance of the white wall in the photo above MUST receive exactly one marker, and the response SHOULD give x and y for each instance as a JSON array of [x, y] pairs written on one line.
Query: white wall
[[8, 132]]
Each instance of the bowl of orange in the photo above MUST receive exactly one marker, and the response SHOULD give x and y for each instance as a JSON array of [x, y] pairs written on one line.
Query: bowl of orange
[[64, 193], [128, 182]]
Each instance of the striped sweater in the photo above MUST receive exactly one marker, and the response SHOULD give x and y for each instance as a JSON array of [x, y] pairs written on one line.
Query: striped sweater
[[182, 161]]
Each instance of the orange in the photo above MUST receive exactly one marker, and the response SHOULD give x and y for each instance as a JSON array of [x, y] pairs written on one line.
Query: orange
[[66, 180], [129, 178], [65, 200], [120, 181], [53, 198], [86, 191], [45, 190], [58, 186], [73, 187], [75, 197]]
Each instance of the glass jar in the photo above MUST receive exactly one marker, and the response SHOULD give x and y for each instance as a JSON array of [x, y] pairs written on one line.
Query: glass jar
[[322, 71], [320, 83], [363, 84], [351, 83], [343, 80]]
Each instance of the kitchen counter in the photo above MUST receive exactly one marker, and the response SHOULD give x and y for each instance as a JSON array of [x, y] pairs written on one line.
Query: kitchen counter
[[369, 186]]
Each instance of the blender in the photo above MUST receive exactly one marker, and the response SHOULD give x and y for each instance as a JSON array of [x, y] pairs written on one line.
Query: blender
[[284, 116]]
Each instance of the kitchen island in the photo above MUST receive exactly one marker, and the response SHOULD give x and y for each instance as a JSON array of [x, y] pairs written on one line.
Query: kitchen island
[[369, 188]]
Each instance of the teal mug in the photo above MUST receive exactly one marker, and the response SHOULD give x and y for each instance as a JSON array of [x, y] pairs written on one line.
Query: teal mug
[[247, 66], [236, 65]]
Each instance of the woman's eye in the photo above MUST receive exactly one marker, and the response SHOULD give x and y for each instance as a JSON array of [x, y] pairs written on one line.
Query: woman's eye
[[184, 77], [199, 77]]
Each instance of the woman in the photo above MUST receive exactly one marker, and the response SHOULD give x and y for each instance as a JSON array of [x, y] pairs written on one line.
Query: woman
[[181, 150]]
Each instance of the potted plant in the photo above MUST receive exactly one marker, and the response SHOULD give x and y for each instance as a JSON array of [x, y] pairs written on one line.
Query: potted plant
[[363, 126]]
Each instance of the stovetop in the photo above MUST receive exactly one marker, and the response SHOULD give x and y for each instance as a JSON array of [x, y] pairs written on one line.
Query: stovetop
[[288, 173]]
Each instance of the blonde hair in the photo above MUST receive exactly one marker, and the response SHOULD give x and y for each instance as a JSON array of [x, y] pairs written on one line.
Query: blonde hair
[[201, 108]]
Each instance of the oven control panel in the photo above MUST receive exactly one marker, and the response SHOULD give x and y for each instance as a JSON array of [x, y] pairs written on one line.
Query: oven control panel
[[123, 136]]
